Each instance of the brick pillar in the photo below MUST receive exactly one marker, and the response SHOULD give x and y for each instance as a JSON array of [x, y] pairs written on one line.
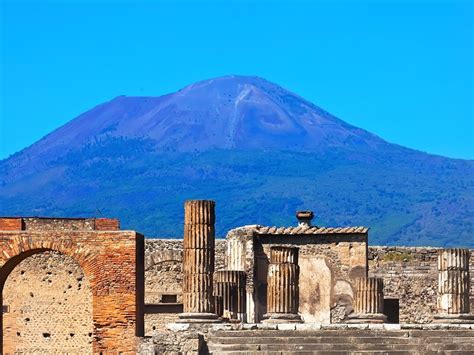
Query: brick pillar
[[198, 262], [230, 294], [368, 301], [283, 287], [453, 286]]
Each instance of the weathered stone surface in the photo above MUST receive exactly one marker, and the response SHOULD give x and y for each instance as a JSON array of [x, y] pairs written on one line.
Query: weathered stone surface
[[49, 302], [283, 285], [198, 260], [343, 252], [368, 302], [453, 281], [283, 255], [340, 339], [230, 294], [410, 276], [369, 295], [164, 278]]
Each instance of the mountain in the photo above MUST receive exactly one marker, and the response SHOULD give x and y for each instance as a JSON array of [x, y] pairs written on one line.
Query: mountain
[[259, 150]]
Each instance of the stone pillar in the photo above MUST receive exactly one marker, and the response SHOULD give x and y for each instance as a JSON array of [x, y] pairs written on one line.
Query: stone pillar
[[240, 255], [230, 294], [368, 301], [453, 286], [198, 262], [282, 286]]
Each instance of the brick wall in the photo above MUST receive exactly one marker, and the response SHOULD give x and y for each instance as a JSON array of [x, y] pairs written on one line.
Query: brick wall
[[109, 260]]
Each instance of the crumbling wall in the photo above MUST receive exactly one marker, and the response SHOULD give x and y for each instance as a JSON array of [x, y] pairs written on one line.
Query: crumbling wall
[[410, 275], [49, 307]]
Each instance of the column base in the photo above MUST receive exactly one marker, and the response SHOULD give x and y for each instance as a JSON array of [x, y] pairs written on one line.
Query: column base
[[198, 318], [371, 318], [242, 317], [460, 318], [282, 318]]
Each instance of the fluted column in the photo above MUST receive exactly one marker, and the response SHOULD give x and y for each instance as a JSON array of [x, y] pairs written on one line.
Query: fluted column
[[453, 286], [368, 301], [283, 286], [198, 261], [230, 294]]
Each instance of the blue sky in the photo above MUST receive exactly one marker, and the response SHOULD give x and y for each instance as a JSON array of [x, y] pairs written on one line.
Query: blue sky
[[403, 70]]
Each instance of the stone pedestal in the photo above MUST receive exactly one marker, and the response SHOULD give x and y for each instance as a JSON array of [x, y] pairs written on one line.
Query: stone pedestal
[[230, 294], [283, 287], [198, 262], [368, 301], [453, 286]]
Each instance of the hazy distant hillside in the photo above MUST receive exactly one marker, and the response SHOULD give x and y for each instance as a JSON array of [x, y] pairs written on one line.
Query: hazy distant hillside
[[260, 151]]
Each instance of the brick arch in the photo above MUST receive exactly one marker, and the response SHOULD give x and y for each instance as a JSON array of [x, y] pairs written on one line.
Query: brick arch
[[57, 279], [22, 247], [111, 259]]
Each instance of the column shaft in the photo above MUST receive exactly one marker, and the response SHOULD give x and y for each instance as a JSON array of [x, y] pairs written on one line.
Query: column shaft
[[369, 295], [283, 285], [198, 260], [230, 290], [368, 301], [453, 281], [282, 294]]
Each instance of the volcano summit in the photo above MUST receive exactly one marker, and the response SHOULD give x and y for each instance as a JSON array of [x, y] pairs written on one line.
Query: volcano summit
[[259, 150]]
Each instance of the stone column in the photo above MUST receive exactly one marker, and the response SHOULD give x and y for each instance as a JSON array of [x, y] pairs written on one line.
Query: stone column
[[453, 286], [282, 286], [198, 262], [368, 301], [230, 294]]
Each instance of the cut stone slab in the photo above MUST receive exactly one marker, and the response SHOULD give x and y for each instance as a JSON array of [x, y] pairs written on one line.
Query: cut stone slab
[[308, 326], [177, 327], [286, 326]]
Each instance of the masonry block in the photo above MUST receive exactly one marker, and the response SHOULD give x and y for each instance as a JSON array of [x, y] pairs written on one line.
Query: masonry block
[[11, 224], [107, 224]]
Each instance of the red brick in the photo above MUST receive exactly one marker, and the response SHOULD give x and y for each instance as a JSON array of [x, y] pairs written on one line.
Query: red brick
[[107, 224], [117, 296], [11, 224]]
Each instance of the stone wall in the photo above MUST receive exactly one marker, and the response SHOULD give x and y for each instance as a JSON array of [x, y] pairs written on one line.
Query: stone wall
[[49, 303], [410, 275], [164, 280]]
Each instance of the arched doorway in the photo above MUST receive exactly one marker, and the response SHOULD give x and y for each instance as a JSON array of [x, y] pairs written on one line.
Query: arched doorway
[[111, 259], [48, 303]]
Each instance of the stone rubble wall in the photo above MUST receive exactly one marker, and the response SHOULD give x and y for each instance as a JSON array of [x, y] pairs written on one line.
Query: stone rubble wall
[[410, 274], [164, 276]]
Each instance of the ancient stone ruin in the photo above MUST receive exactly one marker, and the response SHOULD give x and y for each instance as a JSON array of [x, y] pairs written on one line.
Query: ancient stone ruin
[[84, 286], [110, 259], [198, 261]]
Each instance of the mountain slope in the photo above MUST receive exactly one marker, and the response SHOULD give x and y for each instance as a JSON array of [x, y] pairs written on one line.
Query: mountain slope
[[260, 151]]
